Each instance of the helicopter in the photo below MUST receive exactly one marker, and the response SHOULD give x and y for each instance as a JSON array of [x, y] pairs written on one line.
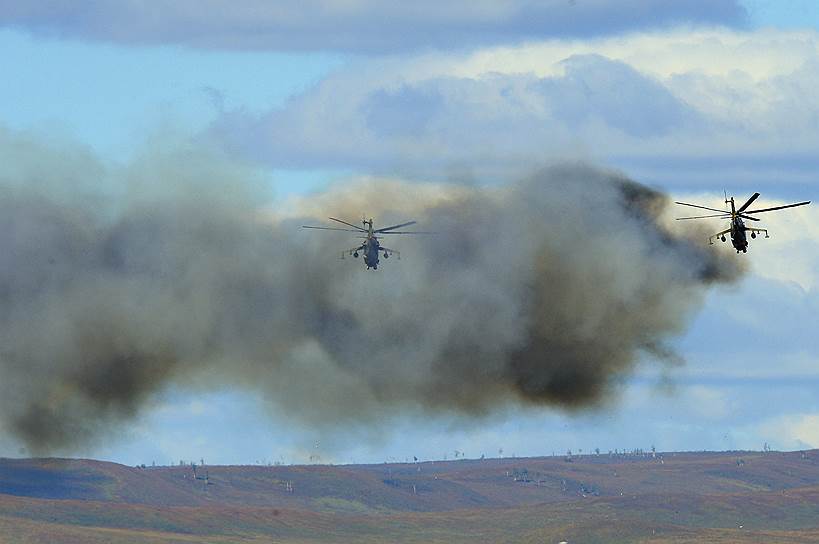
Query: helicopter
[[371, 246], [737, 229]]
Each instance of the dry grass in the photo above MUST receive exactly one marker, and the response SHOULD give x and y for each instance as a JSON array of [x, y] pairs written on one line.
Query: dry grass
[[684, 498]]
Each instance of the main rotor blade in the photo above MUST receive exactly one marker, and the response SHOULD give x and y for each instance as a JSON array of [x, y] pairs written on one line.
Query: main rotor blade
[[723, 215], [396, 226], [701, 207], [328, 228], [408, 232], [779, 207], [748, 203], [742, 215], [348, 224]]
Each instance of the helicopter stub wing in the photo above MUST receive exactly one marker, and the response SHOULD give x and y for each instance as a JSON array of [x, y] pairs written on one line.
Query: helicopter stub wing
[[760, 231], [352, 250], [390, 251], [717, 235]]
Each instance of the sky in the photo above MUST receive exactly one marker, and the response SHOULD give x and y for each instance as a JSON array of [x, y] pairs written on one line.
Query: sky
[[692, 98]]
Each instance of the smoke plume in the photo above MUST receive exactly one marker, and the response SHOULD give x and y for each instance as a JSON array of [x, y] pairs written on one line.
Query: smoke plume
[[116, 281]]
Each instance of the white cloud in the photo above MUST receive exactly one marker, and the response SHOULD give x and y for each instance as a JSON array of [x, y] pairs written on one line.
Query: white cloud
[[760, 54], [792, 252], [704, 103], [799, 431]]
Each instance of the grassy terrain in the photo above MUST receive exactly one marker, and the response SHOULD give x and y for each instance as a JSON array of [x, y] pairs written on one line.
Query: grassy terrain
[[713, 497]]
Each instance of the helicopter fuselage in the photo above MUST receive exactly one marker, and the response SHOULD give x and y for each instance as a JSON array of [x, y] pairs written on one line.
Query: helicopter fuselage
[[370, 248], [738, 237]]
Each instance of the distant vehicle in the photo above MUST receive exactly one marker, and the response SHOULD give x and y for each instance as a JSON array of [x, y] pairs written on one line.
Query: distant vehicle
[[198, 476], [737, 230], [371, 246]]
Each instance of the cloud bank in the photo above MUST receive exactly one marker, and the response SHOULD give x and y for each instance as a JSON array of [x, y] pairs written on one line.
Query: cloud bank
[[367, 26], [118, 281], [709, 105]]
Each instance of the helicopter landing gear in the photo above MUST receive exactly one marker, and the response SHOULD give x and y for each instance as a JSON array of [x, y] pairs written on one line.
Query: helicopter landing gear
[[355, 254], [753, 235], [722, 238]]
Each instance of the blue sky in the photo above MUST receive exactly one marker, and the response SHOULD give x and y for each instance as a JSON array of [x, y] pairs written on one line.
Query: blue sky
[[97, 94], [787, 14], [721, 100]]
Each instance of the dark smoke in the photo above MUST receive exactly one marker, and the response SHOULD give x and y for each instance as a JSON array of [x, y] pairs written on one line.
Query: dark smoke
[[118, 281]]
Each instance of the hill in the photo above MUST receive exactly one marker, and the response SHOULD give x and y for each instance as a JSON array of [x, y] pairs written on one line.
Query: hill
[[716, 497]]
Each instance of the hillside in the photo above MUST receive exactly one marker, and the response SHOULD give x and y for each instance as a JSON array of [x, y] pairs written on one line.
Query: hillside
[[719, 497]]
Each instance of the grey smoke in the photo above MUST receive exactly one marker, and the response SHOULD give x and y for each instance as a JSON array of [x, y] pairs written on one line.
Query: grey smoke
[[116, 282]]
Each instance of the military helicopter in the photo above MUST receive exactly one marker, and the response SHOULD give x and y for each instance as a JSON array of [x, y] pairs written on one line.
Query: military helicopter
[[371, 245], [737, 230]]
